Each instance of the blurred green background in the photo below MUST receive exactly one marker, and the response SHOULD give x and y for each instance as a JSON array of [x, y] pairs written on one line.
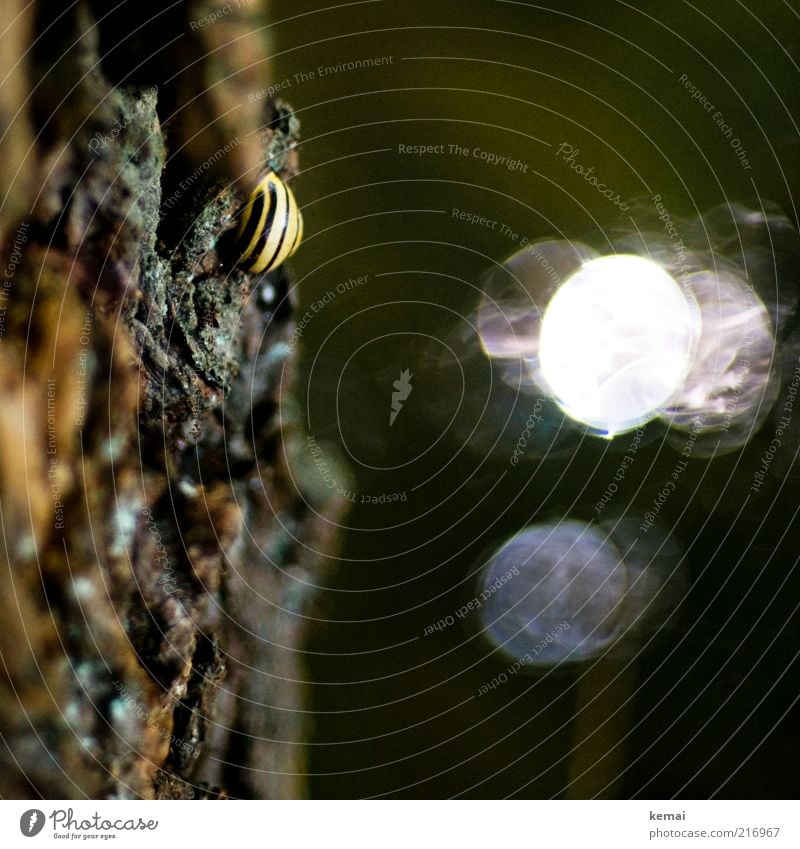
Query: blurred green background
[[395, 712]]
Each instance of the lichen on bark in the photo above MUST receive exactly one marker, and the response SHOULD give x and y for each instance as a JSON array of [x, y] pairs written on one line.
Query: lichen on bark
[[154, 580]]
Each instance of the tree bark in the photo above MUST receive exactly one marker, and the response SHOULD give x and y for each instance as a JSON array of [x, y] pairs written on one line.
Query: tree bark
[[159, 561]]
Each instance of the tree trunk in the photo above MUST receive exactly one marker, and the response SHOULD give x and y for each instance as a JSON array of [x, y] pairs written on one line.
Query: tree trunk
[[159, 560]]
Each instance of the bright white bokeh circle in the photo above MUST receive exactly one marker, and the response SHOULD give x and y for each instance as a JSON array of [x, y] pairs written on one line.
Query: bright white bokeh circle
[[616, 342]]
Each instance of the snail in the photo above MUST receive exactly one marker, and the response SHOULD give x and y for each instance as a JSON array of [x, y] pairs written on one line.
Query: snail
[[271, 226]]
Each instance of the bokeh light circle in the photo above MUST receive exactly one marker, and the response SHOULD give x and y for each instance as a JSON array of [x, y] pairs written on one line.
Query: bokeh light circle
[[616, 342], [566, 592]]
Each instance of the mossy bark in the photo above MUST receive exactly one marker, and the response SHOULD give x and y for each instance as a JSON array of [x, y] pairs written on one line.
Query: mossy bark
[[154, 579]]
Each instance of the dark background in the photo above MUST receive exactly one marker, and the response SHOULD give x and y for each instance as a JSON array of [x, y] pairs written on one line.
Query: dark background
[[711, 712]]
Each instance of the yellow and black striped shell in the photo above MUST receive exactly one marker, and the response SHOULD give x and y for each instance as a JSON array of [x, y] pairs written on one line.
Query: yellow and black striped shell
[[271, 226]]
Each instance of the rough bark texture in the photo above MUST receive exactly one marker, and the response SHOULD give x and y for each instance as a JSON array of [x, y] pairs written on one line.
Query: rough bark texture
[[154, 582]]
